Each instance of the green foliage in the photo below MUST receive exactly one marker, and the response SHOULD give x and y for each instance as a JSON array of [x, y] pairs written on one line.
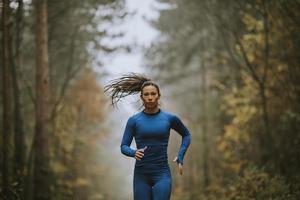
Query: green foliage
[[79, 129], [75, 41], [255, 184], [248, 98]]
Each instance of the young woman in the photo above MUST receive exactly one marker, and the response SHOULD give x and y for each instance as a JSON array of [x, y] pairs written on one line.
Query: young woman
[[151, 129]]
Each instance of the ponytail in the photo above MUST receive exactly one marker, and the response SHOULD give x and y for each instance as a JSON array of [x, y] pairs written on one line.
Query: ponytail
[[127, 85]]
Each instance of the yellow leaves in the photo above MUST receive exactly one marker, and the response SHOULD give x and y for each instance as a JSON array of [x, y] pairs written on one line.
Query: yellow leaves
[[229, 145], [83, 110], [240, 104], [245, 114], [281, 67], [59, 167], [218, 84], [251, 57], [78, 128], [254, 184], [231, 133], [232, 136], [68, 146], [252, 40], [254, 35], [87, 98], [249, 21], [98, 196], [81, 182], [252, 23]]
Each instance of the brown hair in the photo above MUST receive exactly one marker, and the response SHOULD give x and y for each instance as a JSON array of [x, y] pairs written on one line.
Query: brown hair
[[127, 85]]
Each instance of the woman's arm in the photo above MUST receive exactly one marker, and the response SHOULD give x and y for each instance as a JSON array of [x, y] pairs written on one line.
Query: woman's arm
[[127, 139], [180, 128]]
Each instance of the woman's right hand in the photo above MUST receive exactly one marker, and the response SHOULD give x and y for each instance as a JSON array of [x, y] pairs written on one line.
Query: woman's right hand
[[140, 153]]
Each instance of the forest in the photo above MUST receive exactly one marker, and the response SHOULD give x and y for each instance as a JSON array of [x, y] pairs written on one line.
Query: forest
[[230, 69]]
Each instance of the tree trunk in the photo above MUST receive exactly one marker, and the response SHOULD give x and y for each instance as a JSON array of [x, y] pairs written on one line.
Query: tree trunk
[[7, 98], [41, 140], [78, 171], [267, 138], [18, 120], [206, 180]]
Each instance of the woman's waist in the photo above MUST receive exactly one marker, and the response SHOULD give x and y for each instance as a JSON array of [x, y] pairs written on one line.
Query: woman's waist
[[152, 157], [152, 147], [152, 169]]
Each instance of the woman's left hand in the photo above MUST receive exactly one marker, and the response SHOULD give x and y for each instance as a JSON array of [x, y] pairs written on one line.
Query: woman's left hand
[[180, 167]]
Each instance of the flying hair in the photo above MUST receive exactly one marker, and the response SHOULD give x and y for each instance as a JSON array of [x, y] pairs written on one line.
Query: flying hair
[[127, 85]]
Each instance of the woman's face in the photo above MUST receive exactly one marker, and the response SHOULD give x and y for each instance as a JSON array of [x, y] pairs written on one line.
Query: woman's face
[[150, 96]]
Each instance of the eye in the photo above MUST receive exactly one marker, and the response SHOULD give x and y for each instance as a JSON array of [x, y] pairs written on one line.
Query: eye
[[146, 94], [153, 93]]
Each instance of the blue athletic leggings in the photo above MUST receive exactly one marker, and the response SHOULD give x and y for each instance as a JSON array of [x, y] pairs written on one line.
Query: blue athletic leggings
[[152, 186]]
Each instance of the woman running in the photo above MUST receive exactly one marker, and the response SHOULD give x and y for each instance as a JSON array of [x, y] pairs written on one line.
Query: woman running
[[151, 130]]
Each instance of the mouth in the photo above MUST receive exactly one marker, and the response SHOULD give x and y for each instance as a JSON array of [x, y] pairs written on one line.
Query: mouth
[[151, 103]]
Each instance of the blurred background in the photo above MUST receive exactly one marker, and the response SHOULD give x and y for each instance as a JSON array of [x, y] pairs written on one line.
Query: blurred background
[[229, 69]]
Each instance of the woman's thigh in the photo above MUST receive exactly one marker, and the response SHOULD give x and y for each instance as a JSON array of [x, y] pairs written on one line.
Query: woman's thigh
[[142, 189], [162, 187]]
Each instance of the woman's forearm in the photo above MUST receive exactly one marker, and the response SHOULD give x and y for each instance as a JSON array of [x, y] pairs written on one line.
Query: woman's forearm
[[128, 151]]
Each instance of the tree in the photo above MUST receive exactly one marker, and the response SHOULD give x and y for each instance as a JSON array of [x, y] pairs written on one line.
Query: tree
[[42, 137], [19, 136], [7, 131], [252, 109]]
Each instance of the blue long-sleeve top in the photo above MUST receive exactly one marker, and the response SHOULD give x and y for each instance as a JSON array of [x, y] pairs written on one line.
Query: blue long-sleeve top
[[153, 131]]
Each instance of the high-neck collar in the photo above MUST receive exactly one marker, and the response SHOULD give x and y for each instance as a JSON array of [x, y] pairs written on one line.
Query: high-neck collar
[[152, 113]]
